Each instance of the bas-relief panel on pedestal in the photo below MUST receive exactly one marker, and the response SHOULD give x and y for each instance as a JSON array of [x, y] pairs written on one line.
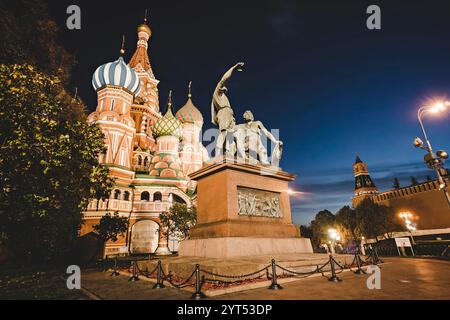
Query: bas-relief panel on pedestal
[[259, 203]]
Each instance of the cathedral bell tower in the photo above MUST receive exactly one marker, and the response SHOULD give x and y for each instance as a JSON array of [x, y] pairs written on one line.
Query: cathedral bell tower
[[364, 186], [140, 62]]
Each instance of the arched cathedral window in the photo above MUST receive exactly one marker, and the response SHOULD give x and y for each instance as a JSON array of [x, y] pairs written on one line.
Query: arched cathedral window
[[116, 194], [157, 196], [145, 196]]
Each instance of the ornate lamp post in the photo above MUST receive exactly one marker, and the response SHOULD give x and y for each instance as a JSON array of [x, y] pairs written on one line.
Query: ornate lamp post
[[436, 160]]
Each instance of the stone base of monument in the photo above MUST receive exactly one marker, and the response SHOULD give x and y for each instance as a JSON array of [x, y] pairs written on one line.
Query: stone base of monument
[[234, 247], [243, 209]]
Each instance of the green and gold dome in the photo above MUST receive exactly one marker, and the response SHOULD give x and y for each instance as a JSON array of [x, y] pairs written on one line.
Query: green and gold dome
[[167, 166], [168, 125]]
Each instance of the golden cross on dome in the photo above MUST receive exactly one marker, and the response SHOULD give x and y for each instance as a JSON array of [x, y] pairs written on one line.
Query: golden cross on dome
[[122, 49], [190, 90], [169, 102]]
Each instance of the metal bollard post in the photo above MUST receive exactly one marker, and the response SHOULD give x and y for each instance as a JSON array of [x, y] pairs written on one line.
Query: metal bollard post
[[135, 276], [115, 273], [374, 257], [333, 277], [274, 285], [358, 264], [159, 282], [377, 257], [198, 295], [105, 264]]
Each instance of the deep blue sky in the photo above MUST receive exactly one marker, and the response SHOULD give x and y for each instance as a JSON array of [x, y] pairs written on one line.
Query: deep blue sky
[[313, 70]]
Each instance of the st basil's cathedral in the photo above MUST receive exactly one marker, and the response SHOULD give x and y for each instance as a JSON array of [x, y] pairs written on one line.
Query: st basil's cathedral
[[149, 153]]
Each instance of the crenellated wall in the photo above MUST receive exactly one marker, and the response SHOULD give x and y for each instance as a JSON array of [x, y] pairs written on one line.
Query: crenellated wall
[[425, 201]]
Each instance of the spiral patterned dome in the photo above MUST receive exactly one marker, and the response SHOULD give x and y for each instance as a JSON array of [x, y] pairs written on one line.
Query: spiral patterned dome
[[168, 125], [116, 73], [190, 114]]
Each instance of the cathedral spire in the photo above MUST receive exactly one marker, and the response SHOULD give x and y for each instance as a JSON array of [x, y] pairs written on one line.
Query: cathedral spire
[[140, 60]]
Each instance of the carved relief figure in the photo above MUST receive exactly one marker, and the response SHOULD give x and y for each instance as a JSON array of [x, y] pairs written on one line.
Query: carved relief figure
[[258, 203]]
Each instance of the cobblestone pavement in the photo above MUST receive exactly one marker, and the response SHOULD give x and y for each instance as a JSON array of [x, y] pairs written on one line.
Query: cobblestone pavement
[[401, 278]]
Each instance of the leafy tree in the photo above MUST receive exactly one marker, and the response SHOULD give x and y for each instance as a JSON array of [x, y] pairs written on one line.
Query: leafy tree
[[102, 184], [29, 35], [48, 164], [178, 221], [306, 231], [347, 221], [111, 227], [396, 183], [376, 220], [323, 221]]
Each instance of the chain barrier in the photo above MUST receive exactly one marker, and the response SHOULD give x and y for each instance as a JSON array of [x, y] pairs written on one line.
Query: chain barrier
[[306, 274], [146, 273], [180, 285], [198, 279], [235, 276]]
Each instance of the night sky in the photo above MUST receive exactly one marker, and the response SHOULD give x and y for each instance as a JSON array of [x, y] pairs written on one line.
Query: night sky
[[313, 70]]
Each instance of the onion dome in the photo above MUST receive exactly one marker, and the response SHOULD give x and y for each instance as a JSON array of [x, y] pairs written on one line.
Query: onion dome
[[118, 74], [168, 125], [189, 113], [144, 28], [167, 166]]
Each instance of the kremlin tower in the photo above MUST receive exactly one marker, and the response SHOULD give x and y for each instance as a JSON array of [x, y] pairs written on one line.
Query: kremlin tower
[[364, 186]]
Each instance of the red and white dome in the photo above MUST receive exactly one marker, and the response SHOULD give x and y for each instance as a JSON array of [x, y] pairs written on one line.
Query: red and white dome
[[189, 112]]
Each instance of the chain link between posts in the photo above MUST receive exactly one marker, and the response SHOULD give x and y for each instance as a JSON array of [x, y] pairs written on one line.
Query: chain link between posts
[[198, 277]]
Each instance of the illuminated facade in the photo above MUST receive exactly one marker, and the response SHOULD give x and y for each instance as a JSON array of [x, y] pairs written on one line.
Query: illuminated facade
[[149, 154], [424, 201]]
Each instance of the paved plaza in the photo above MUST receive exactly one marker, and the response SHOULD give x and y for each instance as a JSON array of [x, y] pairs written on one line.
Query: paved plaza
[[401, 278]]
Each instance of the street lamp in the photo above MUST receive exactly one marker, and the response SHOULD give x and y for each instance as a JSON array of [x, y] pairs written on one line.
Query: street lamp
[[436, 160], [334, 236], [407, 216], [411, 226]]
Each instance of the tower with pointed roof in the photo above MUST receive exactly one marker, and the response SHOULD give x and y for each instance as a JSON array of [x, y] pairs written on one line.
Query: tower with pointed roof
[[364, 186], [140, 62]]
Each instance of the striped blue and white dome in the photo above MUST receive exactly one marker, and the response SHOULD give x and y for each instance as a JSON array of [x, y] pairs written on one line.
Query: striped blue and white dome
[[116, 73]]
